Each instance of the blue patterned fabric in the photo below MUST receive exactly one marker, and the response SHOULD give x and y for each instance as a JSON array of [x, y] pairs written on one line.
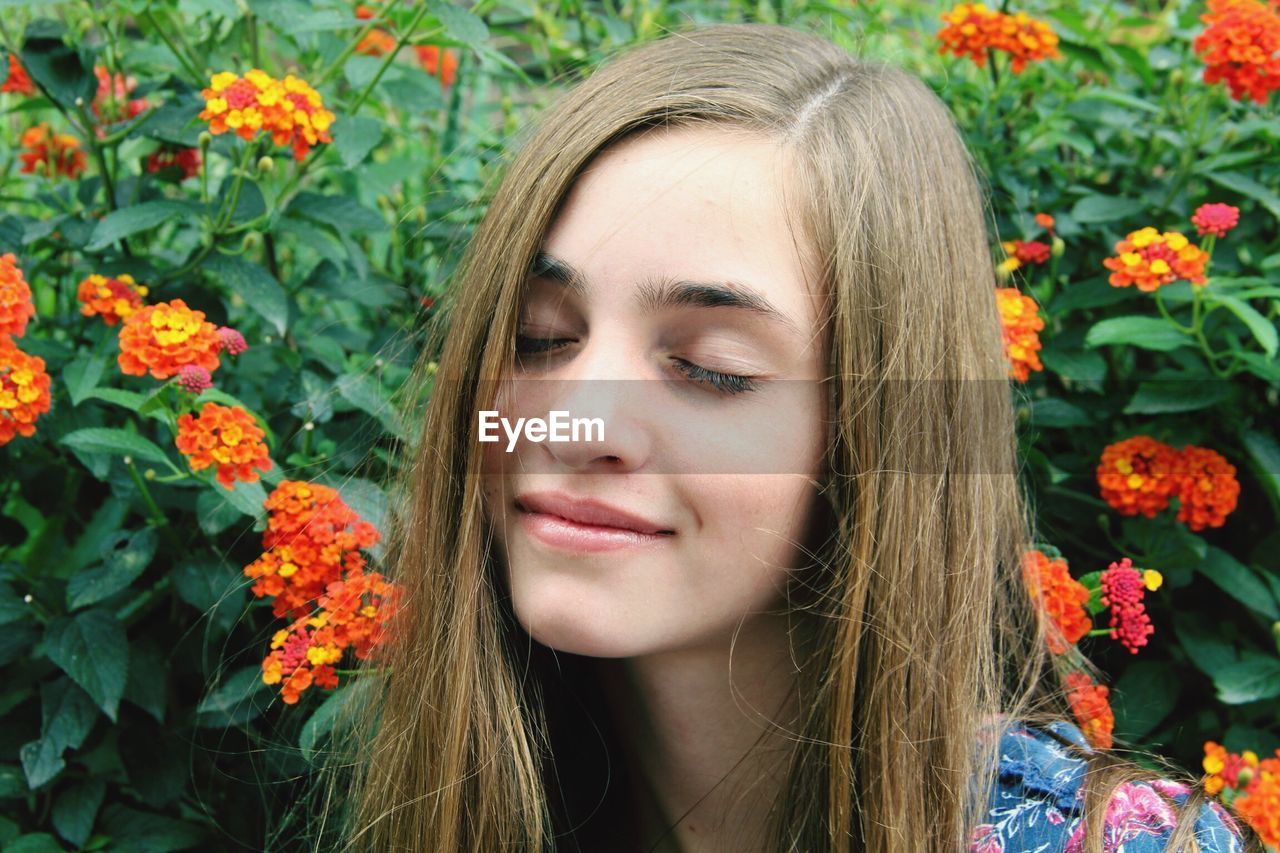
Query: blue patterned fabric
[[1037, 804]]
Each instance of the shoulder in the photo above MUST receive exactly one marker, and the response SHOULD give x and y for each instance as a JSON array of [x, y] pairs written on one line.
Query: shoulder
[[1037, 802]]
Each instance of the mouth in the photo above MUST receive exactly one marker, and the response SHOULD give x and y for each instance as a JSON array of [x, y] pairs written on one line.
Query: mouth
[[583, 525]]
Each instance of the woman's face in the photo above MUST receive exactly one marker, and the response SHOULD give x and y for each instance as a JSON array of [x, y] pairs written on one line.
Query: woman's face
[[669, 271]]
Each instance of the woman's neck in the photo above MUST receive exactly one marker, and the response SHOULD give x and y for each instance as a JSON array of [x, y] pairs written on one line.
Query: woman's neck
[[700, 751]]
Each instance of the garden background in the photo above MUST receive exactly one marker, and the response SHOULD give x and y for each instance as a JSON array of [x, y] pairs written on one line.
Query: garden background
[[218, 276]]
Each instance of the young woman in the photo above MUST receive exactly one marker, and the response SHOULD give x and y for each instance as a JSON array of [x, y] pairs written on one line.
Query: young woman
[[778, 604]]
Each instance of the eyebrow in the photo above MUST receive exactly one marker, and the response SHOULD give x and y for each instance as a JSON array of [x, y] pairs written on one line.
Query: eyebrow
[[669, 293]]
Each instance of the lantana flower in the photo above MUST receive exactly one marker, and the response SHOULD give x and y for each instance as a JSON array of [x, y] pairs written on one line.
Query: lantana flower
[[1151, 260], [1021, 324], [225, 437], [161, 339], [289, 109], [1249, 785], [51, 154], [24, 391], [112, 298], [438, 62], [1216, 219], [973, 30], [1139, 475], [182, 162], [16, 305], [377, 42], [1091, 708], [1123, 588], [112, 104], [1241, 45], [1061, 596], [1207, 489], [17, 80]]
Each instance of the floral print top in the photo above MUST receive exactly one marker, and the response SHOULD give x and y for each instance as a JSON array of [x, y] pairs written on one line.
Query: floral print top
[[1037, 804]]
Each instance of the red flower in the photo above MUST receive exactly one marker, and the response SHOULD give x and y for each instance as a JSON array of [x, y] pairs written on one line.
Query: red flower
[[1122, 591], [1151, 260], [53, 154], [1138, 475], [1091, 708], [180, 161], [1241, 45], [227, 437], [17, 80], [112, 104], [439, 62], [1207, 487], [1216, 219], [1062, 597], [113, 299]]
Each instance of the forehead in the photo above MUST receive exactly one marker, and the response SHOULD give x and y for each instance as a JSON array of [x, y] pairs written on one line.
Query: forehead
[[697, 203]]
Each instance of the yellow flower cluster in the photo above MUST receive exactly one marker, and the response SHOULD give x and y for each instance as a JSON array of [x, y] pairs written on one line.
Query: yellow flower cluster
[[289, 109]]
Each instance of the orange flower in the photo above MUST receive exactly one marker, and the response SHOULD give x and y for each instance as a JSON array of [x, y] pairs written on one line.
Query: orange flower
[[52, 153], [1091, 708], [1259, 805], [24, 391], [1045, 221], [442, 63], [973, 29], [16, 307], [17, 80], [183, 162], [112, 103], [1151, 259], [112, 298], [225, 436], [1061, 596], [162, 338], [1240, 46], [378, 42], [290, 110], [312, 537], [1207, 487], [1020, 320], [1138, 475]]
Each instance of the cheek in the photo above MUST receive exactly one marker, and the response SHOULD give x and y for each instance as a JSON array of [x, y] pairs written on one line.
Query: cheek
[[753, 526]]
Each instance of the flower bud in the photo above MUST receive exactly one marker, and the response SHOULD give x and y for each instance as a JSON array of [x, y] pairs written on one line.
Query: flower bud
[[1176, 77], [204, 140], [1002, 273], [251, 240], [128, 460], [1057, 247], [1246, 257], [79, 101], [149, 474], [1230, 134], [309, 426], [265, 165], [1243, 777], [1102, 178]]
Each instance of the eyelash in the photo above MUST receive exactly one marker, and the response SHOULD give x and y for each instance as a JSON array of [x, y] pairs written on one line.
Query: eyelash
[[724, 383]]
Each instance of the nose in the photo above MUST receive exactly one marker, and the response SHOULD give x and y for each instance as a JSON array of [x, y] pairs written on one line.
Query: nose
[[605, 382]]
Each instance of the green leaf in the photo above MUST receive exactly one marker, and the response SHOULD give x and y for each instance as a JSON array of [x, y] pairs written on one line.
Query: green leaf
[[41, 762], [12, 608], [130, 400], [67, 714], [1076, 365], [81, 375], [1147, 692], [1135, 330], [1247, 186], [461, 24], [1262, 329], [93, 650], [239, 699], [147, 685], [214, 513], [257, 287], [121, 566], [1055, 412], [141, 832], [66, 73], [327, 716], [1248, 681], [215, 590], [35, 842], [355, 137], [1177, 395], [1264, 452], [104, 523], [1093, 209], [1092, 293], [75, 809], [1238, 581], [340, 212], [117, 442], [1206, 647], [246, 497], [131, 220]]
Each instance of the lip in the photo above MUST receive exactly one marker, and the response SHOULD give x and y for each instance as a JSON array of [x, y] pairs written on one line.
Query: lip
[[585, 525]]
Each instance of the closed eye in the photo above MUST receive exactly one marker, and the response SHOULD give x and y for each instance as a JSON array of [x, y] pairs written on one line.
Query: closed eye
[[724, 383]]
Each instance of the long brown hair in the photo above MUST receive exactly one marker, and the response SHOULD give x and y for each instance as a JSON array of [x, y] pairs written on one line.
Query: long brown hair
[[925, 630]]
